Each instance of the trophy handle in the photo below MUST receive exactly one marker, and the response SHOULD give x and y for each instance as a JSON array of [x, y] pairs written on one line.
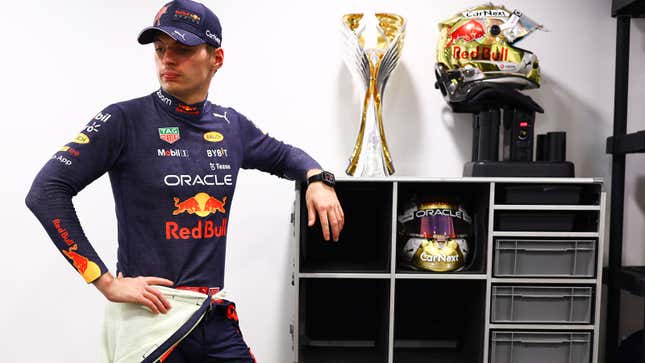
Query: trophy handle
[[385, 68], [386, 151], [353, 161]]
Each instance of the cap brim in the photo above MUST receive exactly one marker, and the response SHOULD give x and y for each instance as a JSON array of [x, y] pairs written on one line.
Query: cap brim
[[184, 37]]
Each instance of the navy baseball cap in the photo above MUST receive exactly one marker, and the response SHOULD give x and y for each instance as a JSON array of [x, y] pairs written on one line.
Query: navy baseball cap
[[188, 22]]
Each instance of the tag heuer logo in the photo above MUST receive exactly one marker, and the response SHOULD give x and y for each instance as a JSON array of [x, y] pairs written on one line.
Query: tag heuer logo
[[169, 134]]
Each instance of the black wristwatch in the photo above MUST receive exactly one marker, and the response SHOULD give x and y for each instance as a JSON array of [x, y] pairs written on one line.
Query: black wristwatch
[[325, 177]]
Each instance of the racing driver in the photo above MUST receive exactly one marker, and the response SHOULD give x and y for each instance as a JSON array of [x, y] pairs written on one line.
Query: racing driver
[[173, 158]]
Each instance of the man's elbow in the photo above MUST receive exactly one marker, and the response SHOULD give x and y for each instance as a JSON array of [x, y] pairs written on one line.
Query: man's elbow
[[31, 200]]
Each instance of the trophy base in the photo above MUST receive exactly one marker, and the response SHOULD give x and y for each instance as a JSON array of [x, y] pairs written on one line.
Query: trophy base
[[564, 169]]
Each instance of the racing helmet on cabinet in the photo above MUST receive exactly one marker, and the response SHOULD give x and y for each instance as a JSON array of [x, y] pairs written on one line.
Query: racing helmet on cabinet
[[479, 45], [434, 235]]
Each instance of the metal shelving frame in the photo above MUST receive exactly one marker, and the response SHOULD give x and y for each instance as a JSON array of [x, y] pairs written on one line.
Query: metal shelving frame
[[617, 276]]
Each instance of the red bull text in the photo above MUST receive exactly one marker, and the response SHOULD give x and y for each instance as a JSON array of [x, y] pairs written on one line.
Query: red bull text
[[203, 229], [63, 232], [480, 53]]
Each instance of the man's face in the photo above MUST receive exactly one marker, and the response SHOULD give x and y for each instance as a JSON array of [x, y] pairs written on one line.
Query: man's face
[[183, 71]]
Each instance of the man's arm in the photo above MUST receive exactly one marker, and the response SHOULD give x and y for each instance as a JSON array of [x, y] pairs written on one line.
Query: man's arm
[[94, 151], [89, 155], [268, 154], [263, 152]]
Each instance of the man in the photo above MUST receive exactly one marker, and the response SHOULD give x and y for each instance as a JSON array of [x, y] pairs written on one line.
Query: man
[[173, 159]]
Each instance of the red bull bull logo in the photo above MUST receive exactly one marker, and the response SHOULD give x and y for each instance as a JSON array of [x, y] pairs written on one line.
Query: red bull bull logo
[[187, 15], [80, 262], [469, 31], [200, 204], [88, 269], [189, 110], [203, 205]]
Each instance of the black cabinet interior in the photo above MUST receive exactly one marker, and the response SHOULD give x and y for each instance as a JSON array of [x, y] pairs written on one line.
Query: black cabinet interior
[[439, 321], [344, 320], [552, 194], [364, 244]]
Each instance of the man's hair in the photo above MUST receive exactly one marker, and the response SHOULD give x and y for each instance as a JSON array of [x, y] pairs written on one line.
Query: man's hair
[[211, 48]]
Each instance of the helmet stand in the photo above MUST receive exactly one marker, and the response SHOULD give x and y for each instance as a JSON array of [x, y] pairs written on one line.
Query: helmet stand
[[490, 103]]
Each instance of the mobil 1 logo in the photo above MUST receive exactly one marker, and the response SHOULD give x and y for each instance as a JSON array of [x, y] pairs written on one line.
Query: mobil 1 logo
[[175, 153]]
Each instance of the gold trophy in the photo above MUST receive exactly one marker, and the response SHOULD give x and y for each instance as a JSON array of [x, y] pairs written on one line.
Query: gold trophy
[[372, 65]]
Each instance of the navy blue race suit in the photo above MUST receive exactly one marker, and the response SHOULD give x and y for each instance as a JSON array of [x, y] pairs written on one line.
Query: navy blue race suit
[[173, 169]]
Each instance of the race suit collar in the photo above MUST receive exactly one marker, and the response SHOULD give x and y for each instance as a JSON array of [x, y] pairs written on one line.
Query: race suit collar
[[178, 108]]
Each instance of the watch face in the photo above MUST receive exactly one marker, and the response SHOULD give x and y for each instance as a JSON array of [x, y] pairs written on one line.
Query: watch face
[[328, 178]]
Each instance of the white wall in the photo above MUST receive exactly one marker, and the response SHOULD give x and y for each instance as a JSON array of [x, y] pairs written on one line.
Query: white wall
[[64, 61]]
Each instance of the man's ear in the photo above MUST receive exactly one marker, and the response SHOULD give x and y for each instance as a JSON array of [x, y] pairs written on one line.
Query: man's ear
[[217, 60]]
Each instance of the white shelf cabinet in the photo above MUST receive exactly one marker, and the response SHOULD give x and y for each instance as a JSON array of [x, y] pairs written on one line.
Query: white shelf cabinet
[[355, 303]]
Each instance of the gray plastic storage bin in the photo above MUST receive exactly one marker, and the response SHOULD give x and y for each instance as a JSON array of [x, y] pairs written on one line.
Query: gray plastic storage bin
[[541, 304], [539, 347], [544, 257]]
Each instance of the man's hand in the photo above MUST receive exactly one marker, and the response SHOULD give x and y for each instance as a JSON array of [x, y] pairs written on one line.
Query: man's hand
[[134, 290], [321, 199]]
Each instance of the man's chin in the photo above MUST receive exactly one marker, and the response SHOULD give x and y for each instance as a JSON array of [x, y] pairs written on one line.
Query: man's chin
[[171, 87]]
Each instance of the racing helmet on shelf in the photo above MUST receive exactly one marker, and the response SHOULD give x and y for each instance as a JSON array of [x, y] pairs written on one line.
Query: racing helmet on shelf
[[479, 45], [434, 235]]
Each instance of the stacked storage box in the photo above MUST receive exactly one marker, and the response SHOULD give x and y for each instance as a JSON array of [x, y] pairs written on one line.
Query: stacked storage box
[[544, 285]]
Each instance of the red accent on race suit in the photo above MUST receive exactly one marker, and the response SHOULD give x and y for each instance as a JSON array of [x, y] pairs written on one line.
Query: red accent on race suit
[[79, 261], [214, 204], [190, 205]]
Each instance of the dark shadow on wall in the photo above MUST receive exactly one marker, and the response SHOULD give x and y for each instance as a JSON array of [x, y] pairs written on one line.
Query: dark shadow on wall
[[401, 117], [639, 194]]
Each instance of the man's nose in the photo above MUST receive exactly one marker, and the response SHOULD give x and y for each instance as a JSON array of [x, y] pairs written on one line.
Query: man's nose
[[168, 56]]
